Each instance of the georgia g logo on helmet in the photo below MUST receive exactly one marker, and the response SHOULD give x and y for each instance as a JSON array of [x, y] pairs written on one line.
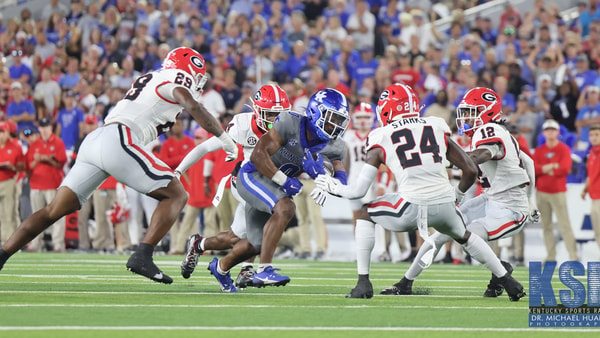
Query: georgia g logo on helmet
[[196, 61], [384, 95], [488, 97]]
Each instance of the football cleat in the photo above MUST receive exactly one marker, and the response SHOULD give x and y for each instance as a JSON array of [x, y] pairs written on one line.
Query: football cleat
[[225, 281], [244, 278], [269, 278], [513, 287], [495, 288], [144, 266], [363, 289], [191, 256], [403, 287]]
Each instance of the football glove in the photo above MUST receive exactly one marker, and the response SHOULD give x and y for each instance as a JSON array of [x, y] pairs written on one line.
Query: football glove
[[328, 184], [313, 167], [319, 196], [291, 186]]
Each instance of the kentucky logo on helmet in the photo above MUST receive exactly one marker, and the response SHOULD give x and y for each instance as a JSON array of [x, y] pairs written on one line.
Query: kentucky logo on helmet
[[197, 62]]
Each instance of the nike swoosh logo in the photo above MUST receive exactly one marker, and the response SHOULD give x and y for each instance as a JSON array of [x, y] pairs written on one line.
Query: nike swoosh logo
[[158, 276]]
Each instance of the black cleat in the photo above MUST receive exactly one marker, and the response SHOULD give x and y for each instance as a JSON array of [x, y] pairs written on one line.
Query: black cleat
[[191, 256], [403, 287], [495, 288], [244, 278], [513, 288], [144, 266], [363, 289]]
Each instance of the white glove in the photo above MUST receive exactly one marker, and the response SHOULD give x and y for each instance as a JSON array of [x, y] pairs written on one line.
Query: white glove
[[534, 213], [329, 184], [459, 195], [319, 196], [229, 146]]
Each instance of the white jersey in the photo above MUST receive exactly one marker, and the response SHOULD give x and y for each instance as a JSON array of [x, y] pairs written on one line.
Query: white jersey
[[357, 155], [503, 179], [415, 151], [148, 108], [244, 131]]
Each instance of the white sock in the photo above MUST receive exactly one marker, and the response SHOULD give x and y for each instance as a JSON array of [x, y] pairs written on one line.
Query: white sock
[[364, 235], [245, 264], [482, 252], [219, 270], [202, 243], [262, 267], [415, 269]]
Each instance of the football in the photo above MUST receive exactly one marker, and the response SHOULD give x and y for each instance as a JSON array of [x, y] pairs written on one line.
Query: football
[[328, 166]]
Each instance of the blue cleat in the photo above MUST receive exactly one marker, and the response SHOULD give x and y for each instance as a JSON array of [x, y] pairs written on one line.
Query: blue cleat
[[269, 278], [225, 281]]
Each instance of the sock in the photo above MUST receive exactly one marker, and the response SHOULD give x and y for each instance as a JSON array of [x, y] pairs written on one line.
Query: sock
[[482, 252], [145, 249], [262, 267], [415, 269], [247, 264], [219, 269], [364, 235], [199, 245]]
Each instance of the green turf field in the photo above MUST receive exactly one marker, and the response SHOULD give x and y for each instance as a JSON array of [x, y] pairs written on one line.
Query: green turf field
[[89, 295]]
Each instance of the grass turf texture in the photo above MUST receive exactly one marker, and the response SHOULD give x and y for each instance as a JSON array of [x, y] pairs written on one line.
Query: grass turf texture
[[88, 295]]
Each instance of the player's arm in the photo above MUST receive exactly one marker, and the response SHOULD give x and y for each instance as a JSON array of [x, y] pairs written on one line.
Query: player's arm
[[359, 188], [459, 158], [197, 153], [266, 146], [206, 120], [486, 152]]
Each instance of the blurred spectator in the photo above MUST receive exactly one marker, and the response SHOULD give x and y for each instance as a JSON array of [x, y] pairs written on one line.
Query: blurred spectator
[[230, 92], [552, 165], [405, 73], [43, 47], [365, 68], [69, 79], [261, 70], [563, 107], [589, 114], [525, 121], [20, 110], [70, 121], [49, 90], [333, 35], [583, 75], [441, 108], [127, 74], [510, 17], [508, 99], [107, 233], [45, 160], [212, 100], [592, 183], [19, 71], [54, 6], [361, 26], [590, 14], [11, 156]]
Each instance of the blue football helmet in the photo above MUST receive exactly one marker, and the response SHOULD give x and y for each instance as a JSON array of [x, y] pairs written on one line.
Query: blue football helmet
[[328, 113]]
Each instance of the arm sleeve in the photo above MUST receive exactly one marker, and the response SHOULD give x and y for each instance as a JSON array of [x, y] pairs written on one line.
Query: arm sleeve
[[530, 169], [494, 148], [210, 145], [360, 187]]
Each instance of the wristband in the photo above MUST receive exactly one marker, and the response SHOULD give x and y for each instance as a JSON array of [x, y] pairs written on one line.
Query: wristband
[[341, 176], [279, 178]]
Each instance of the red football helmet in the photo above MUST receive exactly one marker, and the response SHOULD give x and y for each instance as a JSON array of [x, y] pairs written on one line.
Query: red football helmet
[[397, 101], [478, 107], [363, 116], [189, 61], [267, 103]]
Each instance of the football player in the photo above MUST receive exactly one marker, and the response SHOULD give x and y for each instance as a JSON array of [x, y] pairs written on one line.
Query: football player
[[507, 176], [245, 129], [415, 149], [269, 180], [116, 149]]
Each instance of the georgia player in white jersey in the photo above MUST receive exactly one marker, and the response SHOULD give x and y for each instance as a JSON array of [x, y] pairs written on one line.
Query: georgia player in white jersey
[[245, 129], [415, 150], [363, 119], [506, 175], [148, 109]]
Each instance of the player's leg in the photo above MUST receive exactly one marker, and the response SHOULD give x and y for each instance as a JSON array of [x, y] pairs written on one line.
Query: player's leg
[[364, 237], [75, 189]]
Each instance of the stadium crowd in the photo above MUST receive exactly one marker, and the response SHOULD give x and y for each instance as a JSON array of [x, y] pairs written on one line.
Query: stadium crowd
[[64, 71]]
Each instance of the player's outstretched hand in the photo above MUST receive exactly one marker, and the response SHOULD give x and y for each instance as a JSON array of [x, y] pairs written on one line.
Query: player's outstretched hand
[[292, 186], [229, 146], [535, 216], [313, 167], [319, 196], [328, 183]]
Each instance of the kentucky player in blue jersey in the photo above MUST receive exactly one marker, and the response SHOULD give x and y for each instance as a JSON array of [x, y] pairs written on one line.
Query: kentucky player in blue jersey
[[294, 145]]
